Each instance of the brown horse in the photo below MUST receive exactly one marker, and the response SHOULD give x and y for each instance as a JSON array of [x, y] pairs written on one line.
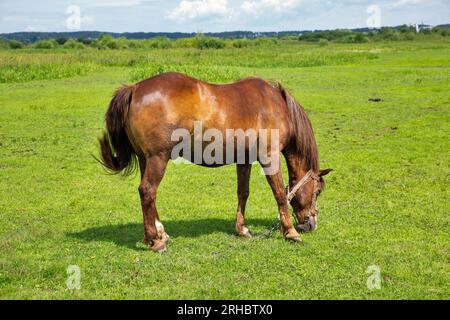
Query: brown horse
[[142, 118]]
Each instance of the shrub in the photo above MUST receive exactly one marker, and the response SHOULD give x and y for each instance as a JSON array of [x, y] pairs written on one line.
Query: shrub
[[407, 29], [389, 34], [15, 44], [122, 43], [85, 41], [135, 44], [161, 43], [203, 42], [108, 42], [347, 39], [73, 44], [241, 43], [61, 41], [444, 32], [323, 42], [46, 44], [184, 43], [409, 36], [3, 44], [360, 38]]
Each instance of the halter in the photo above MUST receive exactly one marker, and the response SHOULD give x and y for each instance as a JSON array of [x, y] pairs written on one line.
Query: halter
[[310, 175]]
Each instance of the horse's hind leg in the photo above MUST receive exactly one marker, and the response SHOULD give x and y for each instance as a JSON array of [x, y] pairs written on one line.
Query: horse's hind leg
[[159, 226], [152, 175], [243, 181], [278, 189]]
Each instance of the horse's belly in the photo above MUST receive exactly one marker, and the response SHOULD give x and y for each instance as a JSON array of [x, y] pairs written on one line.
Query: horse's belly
[[219, 151]]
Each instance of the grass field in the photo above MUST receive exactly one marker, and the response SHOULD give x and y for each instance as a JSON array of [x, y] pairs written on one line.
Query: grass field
[[386, 204]]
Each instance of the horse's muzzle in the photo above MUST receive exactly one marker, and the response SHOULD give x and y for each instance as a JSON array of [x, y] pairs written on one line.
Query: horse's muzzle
[[309, 226]]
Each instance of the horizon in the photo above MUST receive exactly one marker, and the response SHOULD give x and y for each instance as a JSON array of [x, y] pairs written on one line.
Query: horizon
[[215, 32], [214, 16]]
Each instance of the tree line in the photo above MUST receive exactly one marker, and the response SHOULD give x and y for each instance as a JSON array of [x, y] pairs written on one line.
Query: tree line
[[206, 41]]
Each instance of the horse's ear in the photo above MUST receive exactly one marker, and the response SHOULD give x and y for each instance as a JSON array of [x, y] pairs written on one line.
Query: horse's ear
[[324, 172]]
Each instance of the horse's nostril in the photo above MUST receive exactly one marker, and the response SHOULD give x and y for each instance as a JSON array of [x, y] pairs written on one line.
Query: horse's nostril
[[303, 227]]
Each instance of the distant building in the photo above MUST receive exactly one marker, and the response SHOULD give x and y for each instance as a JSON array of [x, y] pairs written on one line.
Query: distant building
[[421, 27]]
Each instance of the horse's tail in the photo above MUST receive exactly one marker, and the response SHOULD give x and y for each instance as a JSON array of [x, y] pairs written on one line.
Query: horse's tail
[[302, 131], [117, 153]]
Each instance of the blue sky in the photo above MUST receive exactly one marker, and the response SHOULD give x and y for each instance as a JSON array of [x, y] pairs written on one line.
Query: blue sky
[[214, 15]]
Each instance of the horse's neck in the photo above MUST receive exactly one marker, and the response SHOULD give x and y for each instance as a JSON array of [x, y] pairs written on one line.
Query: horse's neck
[[297, 170]]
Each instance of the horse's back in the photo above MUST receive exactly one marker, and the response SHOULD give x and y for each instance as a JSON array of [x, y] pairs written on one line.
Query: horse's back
[[173, 100]]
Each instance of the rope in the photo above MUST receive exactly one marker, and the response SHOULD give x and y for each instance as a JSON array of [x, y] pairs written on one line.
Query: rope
[[289, 196]]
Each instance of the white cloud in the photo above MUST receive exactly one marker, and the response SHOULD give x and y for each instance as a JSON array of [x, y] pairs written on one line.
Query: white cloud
[[189, 10], [256, 7], [401, 3]]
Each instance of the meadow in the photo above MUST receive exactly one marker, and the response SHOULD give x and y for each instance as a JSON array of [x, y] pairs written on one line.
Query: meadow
[[380, 112]]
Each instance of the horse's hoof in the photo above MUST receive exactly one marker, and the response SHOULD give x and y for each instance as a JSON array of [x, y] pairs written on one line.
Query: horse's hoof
[[159, 246], [294, 239], [245, 233], [165, 237], [293, 236]]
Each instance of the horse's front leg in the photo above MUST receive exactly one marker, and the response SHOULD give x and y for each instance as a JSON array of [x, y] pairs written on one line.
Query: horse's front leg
[[276, 183], [152, 174], [243, 181]]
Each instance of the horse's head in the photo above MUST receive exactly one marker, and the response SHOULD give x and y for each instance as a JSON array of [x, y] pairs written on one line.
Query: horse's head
[[305, 202]]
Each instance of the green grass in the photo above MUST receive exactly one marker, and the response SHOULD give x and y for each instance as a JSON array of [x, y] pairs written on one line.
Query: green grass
[[386, 203]]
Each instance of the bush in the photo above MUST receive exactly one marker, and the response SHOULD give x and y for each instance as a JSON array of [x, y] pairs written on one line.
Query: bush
[[73, 44], [323, 42], [203, 42], [108, 42], [409, 36], [444, 32], [389, 34], [46, 44], [241, 43], [136, 44], [61, 41], [347, 39], [15, 44], [122, 43], [407, 29], [161, 43], [85, 41], [3, 44], [184, 43], [361, 38]]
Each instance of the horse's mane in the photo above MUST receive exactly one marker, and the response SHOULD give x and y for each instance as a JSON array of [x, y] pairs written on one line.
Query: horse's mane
[[303, 133]]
